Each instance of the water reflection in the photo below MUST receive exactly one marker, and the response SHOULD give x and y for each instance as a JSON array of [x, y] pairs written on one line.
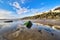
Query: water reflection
[[7, 27]]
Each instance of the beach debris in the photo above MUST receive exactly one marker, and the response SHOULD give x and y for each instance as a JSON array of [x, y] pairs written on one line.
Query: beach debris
[[28, 24], [8, 21]]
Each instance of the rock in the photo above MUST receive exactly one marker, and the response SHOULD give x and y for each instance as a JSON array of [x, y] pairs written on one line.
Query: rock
[[28, 24]]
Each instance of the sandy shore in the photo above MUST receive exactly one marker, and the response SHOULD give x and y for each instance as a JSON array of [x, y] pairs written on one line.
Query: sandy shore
[[22, 33], [55, 24], [47, 21]]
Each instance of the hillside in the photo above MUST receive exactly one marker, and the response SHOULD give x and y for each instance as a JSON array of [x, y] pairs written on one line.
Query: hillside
[[52, 14], [47, 15]]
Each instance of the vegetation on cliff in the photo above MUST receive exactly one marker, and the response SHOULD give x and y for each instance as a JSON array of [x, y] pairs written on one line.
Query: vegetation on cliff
[[46, 15], [55, 14]]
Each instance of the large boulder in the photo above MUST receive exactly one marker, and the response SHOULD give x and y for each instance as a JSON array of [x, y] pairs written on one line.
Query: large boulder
[[28, 24]]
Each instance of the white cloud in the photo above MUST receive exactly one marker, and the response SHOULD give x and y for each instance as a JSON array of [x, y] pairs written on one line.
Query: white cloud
[[18, 8], [4, 14], [55, 7], [23, 1], [16, 4], [22, 10]]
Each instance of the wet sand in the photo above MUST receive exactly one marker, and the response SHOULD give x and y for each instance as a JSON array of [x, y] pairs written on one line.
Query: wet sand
[[47, 21], [20, 32]]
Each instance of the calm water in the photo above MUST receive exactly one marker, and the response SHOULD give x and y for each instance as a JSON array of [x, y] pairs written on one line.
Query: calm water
[[6, 27]]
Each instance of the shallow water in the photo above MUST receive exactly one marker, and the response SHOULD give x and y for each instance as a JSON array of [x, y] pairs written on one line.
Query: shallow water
[[5, 27], [9, 31]]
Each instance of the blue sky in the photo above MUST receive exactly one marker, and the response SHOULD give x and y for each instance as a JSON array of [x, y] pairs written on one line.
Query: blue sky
[[23, 8]]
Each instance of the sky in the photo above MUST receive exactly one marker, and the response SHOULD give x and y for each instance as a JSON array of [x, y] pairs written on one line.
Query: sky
[[24, 8]]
